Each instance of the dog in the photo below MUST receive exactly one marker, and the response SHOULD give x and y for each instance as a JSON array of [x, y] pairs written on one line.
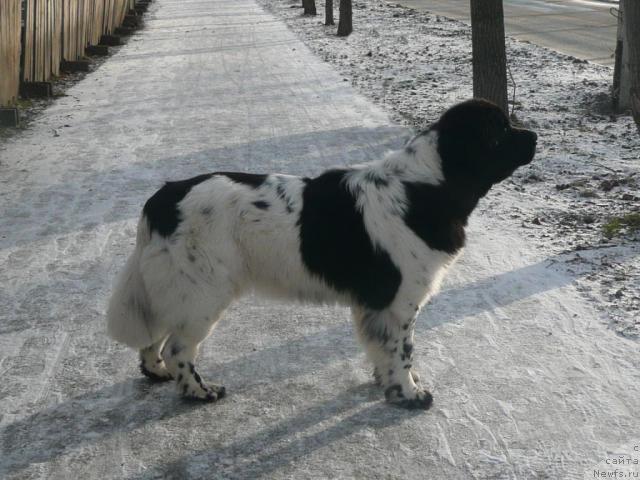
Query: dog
[[376, 237]]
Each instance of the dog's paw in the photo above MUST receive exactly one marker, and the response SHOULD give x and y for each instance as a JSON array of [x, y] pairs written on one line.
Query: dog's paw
[[419, 399], [155, 373], [198, 391]]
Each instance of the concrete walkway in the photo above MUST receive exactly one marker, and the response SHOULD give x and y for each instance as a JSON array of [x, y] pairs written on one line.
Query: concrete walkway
[[527, 382]]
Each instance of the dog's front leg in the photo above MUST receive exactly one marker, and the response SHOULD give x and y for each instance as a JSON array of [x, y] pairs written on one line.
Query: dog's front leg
[[388, 341]]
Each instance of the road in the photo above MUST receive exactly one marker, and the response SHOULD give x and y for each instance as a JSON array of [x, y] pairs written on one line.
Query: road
[[582, 28]]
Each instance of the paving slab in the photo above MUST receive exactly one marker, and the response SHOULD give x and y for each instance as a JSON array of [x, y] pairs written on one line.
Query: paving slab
[[527, 381]]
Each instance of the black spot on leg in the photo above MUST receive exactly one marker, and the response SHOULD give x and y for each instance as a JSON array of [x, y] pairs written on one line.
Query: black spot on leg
[[181, 365], [409, 150], [405, 326], [196, 375], [192, 369], [176, 349], [408, 348], [407, 366], [261, 205]]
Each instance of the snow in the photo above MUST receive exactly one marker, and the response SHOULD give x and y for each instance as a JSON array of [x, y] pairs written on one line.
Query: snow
[[528, 380], [587, 168]]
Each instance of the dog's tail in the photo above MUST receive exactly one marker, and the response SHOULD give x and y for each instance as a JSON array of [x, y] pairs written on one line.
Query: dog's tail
[[129, 315]]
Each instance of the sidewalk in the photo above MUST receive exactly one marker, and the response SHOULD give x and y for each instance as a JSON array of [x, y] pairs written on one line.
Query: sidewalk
[[527, 382]]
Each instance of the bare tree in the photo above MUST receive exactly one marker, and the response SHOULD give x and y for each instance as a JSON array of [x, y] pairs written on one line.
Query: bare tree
[[345, 25], [620, 87], [632, 31], [309, 7], [489, 57], [328, 12]]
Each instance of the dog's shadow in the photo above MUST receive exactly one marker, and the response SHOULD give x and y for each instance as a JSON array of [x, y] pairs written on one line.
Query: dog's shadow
[[130, 405], [283, 444]]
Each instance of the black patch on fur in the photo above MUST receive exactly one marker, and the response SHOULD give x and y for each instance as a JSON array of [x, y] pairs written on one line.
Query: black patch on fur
[[409, 150], [436, 216], [261, 205], [181, 365], [336, 247], [161, 210], [408, 348], [176, 349]]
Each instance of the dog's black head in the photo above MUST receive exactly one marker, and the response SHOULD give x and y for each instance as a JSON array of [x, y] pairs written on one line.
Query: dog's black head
[[479, 147]]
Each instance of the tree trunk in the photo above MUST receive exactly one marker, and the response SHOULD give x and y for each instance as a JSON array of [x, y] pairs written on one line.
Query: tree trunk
[[309, 7], [632, 30], [345, 26], [328, 12], [489, 57]]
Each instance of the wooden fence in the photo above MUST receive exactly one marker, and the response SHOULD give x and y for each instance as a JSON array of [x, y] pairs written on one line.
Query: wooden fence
[[54, 31], [9, 51]]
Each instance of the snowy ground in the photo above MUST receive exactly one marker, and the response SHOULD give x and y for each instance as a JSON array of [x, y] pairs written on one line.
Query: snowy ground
[[528, 381], [587, 170]]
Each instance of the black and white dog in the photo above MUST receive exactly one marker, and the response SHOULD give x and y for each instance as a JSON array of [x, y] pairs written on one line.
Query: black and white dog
[[377, 237]]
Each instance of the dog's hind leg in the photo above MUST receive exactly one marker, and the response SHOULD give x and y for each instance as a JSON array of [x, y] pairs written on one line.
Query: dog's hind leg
[[388, 341], [377, 376], [180, 354], [183, 344], [151, 363]]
